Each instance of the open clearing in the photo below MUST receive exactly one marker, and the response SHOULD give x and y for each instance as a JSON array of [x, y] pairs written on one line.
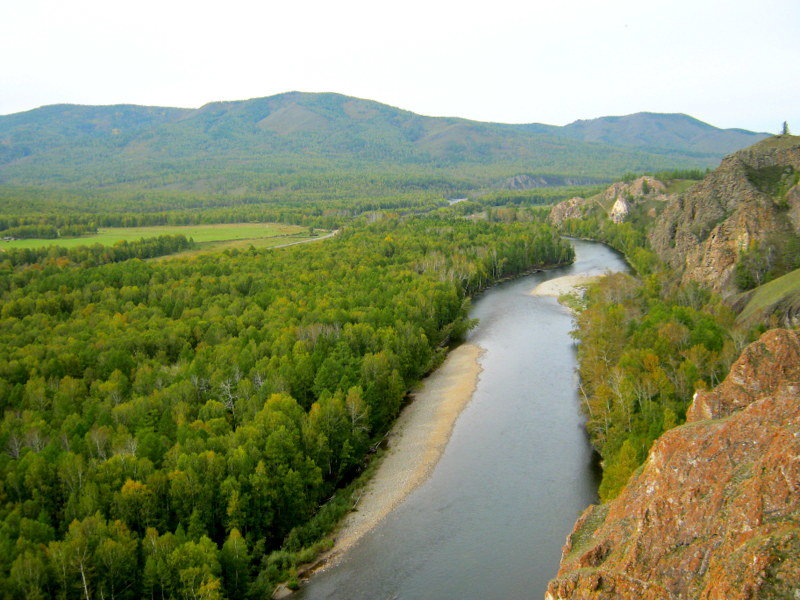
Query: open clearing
[[259, 234], [271, 242]]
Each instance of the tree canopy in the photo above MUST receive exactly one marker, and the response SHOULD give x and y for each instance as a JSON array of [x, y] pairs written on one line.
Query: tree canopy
[[171, 429]]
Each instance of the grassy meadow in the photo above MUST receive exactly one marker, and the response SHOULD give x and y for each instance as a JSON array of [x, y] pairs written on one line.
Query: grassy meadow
[[216, 236]]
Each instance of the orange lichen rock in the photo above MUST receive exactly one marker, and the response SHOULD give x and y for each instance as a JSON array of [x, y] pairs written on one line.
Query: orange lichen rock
[[714, 513]]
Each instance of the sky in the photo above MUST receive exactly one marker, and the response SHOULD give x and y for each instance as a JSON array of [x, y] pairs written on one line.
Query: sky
[[730, 63]]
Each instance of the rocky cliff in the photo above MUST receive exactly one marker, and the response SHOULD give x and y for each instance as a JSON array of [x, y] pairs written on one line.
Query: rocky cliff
[[715, 510], [615, 202], [750, 203]]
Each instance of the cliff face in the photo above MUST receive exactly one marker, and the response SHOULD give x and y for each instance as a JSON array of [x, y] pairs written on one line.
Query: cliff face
[[616, 201], [714, 513], [751, 199]]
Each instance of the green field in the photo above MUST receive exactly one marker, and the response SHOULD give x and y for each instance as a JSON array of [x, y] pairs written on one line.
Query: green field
[[201, 234], [243, 244]]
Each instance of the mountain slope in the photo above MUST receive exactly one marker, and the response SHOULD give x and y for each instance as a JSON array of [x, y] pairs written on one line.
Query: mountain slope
[[300, 131], [64, 125], [677, 132]]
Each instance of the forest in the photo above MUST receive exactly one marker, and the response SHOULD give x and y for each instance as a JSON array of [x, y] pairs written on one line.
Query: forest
[[194, 428], [180, 429], [645, 346]]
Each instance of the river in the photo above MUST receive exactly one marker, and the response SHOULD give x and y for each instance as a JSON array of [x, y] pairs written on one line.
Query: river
[[490, 521]]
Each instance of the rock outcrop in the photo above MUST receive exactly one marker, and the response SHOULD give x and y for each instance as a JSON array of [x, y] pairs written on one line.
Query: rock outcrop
[[573, 208], [636, 189], [714, 513], [616, 201], [748, 200], [623, 196]]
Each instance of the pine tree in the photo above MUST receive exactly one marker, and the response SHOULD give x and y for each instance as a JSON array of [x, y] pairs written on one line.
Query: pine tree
[[785, 128]]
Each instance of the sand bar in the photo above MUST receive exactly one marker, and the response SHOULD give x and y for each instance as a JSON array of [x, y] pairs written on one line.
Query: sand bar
[[568, 284], [415, 443]]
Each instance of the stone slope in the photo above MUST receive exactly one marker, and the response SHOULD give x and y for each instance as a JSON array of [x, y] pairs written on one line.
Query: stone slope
[[715, 511], [745, 202]]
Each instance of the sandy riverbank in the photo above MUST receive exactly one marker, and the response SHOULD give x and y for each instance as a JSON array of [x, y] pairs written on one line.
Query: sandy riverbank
[[415, 444], [563, 285]]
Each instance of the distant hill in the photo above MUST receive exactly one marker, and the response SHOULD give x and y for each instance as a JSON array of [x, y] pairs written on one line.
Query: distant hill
[[302, 132], [658, 132]]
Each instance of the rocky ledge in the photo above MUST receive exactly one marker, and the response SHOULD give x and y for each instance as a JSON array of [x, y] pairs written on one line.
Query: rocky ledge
[[715, 510]]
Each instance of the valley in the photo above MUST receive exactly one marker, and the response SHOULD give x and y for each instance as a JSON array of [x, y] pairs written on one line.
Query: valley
[[489, 521], [196, 403]]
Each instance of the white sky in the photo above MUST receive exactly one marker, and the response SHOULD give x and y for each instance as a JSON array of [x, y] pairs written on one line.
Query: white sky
[[732, 63]]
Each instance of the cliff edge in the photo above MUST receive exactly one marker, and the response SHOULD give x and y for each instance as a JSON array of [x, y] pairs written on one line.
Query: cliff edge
[[714, 513]]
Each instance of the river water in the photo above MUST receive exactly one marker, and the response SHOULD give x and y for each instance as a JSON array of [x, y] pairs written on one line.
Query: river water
[[490, 521]]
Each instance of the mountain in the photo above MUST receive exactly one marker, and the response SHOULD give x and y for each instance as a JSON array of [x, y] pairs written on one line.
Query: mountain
[[659, 132], [713, 513], [301, 132]]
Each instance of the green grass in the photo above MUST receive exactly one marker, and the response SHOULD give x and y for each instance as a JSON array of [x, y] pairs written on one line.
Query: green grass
[[242, 244], [678, 186], [257, 233], [769, 295]]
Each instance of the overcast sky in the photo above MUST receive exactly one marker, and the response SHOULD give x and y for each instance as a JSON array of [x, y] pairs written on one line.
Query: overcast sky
[[731, 63]]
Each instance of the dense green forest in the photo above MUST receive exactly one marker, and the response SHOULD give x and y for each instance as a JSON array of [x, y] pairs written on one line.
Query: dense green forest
[[171, 429], [91, 255]]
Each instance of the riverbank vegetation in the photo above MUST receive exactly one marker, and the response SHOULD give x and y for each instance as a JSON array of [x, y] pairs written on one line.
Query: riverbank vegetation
[[647, 342], [645, 347], [170, 429]]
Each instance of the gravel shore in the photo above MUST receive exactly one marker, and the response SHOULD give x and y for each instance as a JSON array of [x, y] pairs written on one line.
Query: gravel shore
[[415, 443]]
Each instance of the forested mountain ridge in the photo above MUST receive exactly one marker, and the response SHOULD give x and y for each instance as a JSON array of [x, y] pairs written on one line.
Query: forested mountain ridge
[[661, 131], [296, 132]]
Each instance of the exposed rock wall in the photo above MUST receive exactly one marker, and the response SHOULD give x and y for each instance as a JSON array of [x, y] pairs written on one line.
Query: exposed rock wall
[[714, 513], [703, 232], [524, 181]]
